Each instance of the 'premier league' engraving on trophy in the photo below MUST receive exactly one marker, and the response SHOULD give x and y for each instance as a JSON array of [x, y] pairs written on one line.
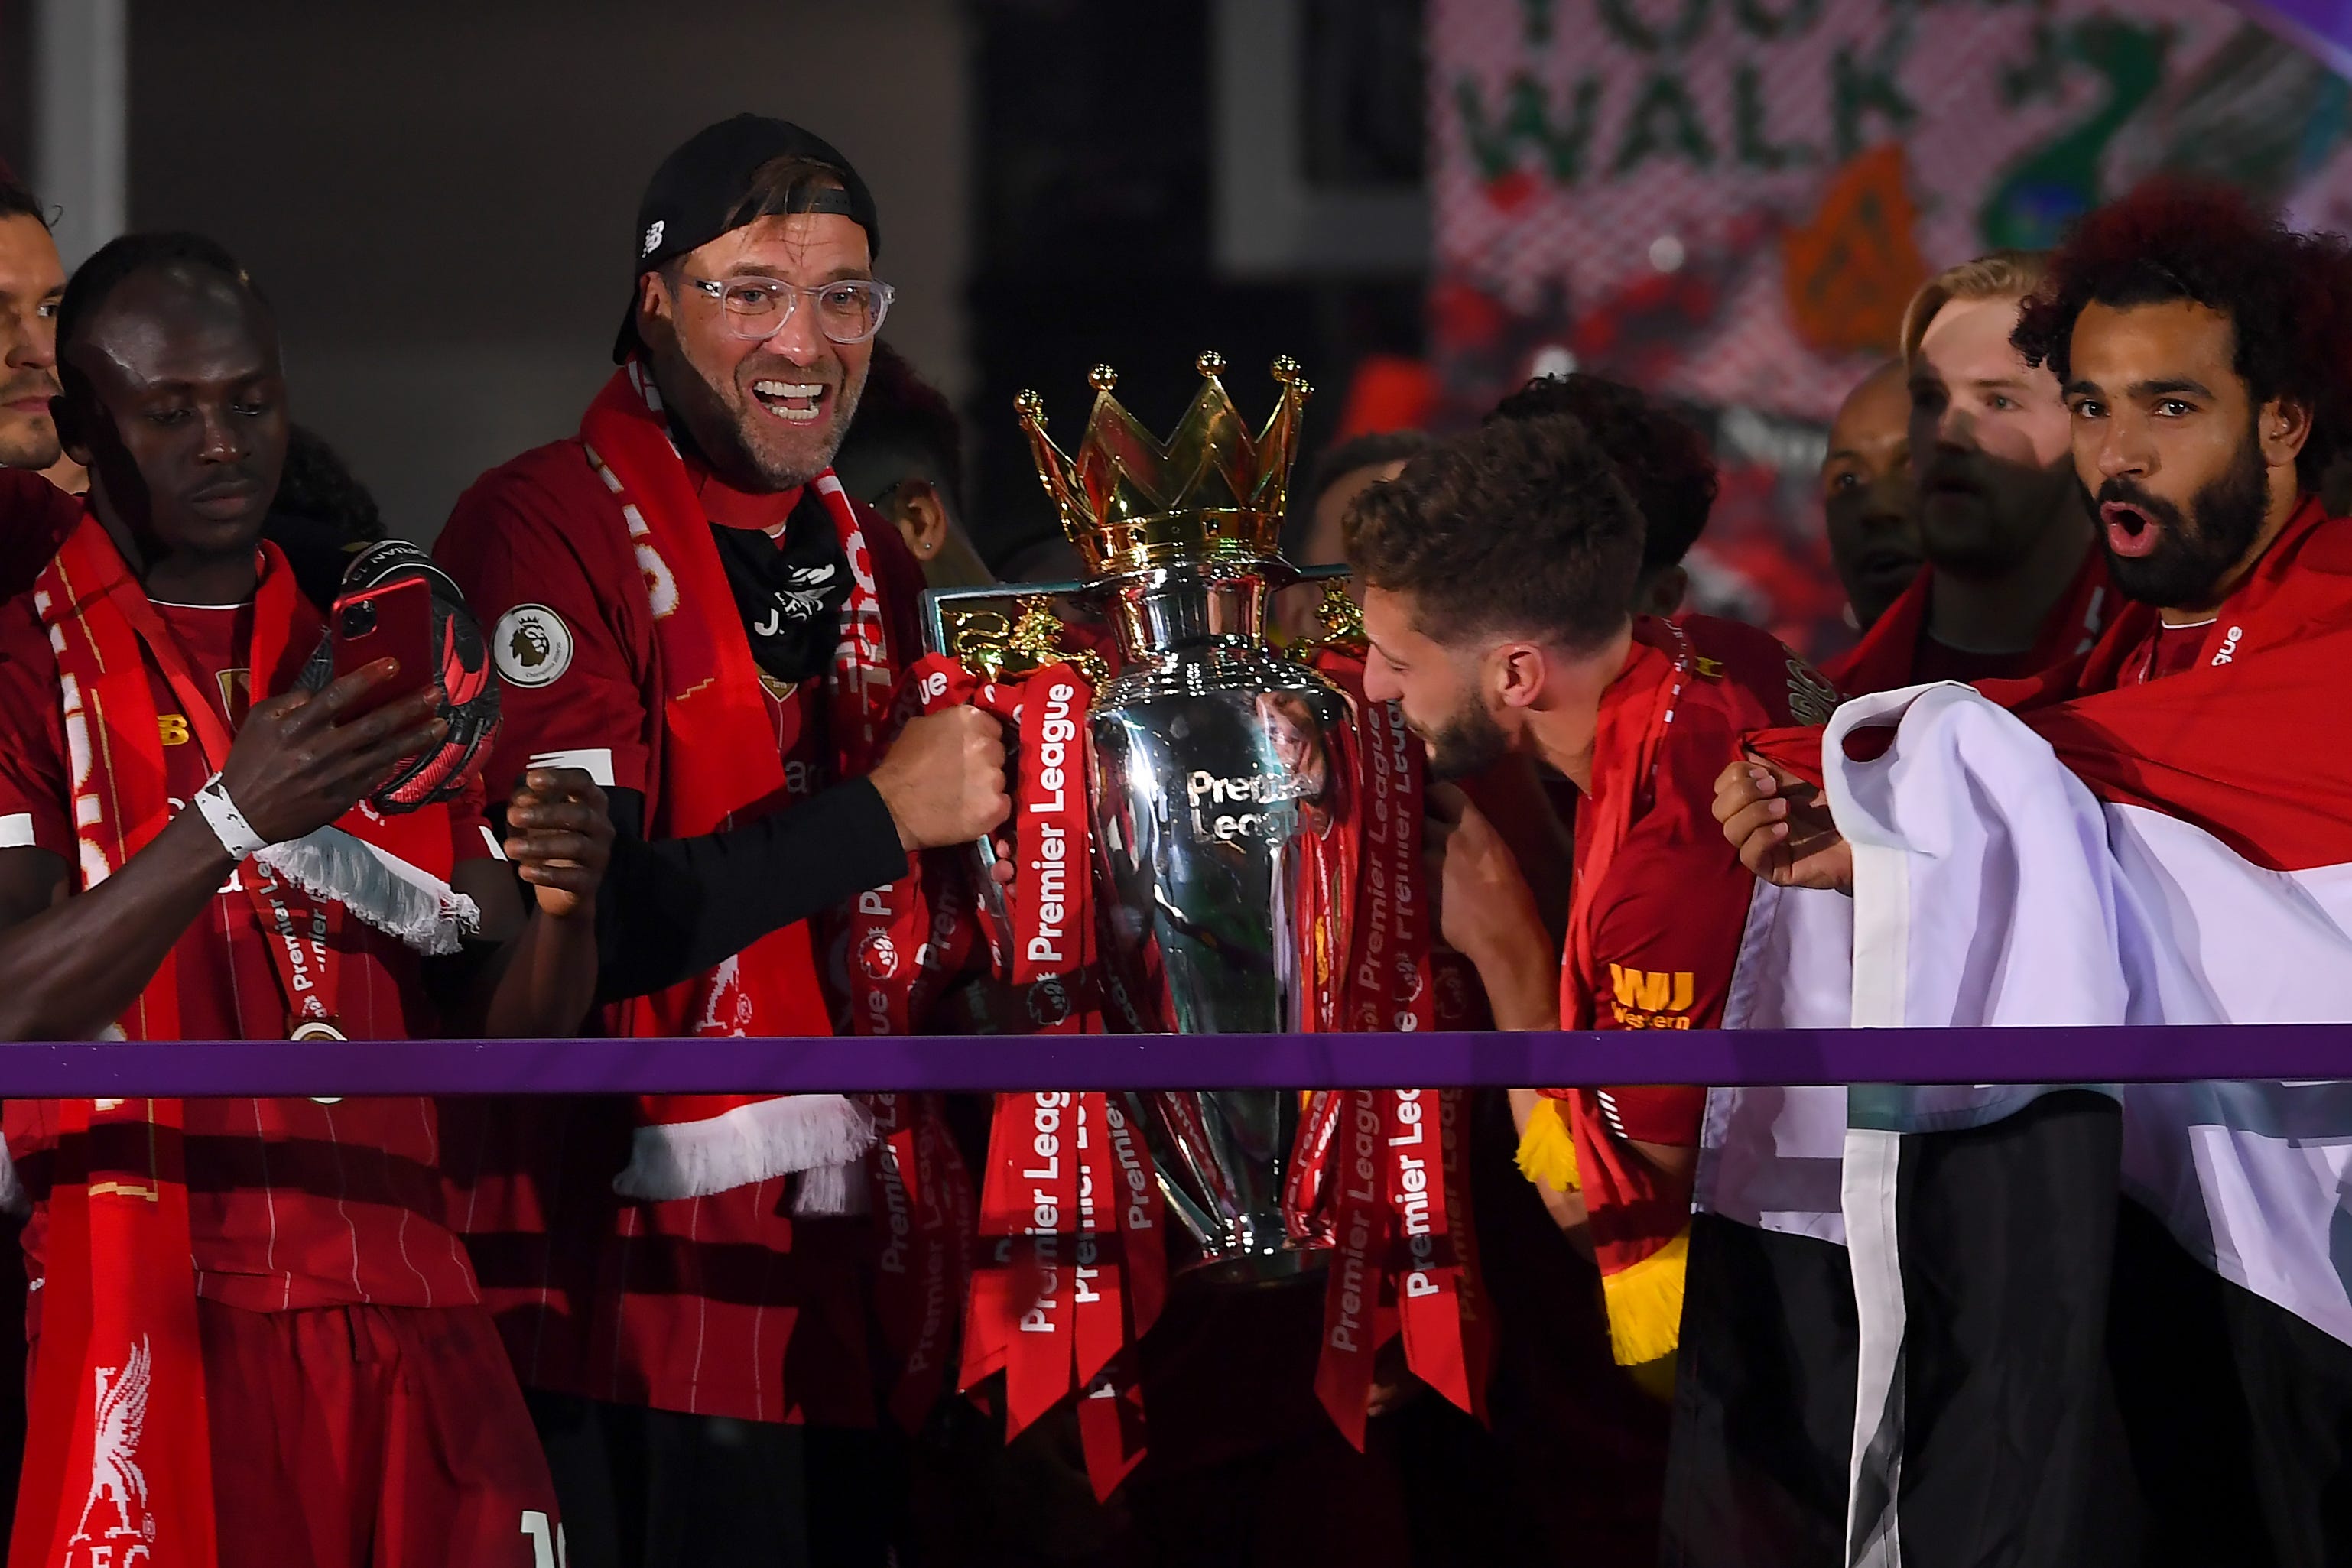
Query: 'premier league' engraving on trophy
[[1211, 751], [1217, 777]]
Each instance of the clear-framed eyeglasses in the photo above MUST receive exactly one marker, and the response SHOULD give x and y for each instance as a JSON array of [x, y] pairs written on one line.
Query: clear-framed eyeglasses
[[849, 311]]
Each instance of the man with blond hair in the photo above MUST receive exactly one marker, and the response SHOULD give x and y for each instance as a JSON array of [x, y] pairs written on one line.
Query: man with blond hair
[[1762, 1440], [2012, 585]]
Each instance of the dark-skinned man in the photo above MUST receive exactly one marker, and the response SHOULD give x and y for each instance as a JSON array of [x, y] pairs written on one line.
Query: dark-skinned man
[[35, 518], [36, 513], [2187, 778], [2013, 584], [690, 605], [281, 1267], [1867, 496]]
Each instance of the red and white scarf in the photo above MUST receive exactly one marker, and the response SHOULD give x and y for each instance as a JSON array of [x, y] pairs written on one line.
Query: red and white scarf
[[889, 952], [120, 1469], [1640, 1216], [719, 757]]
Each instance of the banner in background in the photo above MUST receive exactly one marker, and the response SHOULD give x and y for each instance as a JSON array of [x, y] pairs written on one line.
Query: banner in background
[[1728, 202]]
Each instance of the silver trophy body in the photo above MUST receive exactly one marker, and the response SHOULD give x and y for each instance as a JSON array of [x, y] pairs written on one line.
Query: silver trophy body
[[1218, 780], [1213, 760]]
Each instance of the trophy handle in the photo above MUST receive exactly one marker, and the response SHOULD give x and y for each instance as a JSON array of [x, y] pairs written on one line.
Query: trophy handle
[[937, 604]]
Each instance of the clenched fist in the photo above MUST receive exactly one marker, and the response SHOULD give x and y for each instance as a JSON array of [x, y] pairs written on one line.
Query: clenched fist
[[1484, 906], [1781, 827], [560, 836], [944, 778], [1486, 914]]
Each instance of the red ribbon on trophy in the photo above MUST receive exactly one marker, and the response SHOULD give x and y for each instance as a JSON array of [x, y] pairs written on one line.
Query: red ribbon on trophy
[[1389, 1166], [1072, 1268], [901, 945], [923, 1210]]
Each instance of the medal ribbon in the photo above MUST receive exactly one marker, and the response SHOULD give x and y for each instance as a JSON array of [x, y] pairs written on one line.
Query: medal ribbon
[[906, 940], [923, 1207], [298, 929]]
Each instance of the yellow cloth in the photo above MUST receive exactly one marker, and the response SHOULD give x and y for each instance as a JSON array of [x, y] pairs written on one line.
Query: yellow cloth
[[1645, 1300], [1546, 1151], [1645, 1303]]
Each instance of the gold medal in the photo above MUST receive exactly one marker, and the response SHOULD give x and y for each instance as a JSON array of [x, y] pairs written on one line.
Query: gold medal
[[314, 1029]]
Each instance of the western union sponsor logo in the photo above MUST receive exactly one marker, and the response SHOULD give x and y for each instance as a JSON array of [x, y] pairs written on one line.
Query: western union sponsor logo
[[1651, 991]]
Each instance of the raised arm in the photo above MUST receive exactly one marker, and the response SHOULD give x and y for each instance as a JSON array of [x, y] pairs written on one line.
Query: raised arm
[[679, 905], [71, 965]]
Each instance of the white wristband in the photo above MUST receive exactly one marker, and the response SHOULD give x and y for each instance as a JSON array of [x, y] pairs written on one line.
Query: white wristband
[[228, 823]]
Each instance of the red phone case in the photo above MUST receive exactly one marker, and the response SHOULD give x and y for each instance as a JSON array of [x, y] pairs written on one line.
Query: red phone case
[[394, 620]]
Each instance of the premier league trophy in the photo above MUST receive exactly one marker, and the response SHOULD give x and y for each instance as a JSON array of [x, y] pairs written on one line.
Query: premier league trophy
[[1218, 778]]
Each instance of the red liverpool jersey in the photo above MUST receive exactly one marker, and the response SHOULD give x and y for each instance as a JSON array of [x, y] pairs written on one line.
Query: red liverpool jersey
[[292, 1203], [1667, 921], [719, 1305]]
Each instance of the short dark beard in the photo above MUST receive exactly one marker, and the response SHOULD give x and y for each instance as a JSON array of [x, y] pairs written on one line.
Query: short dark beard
[[706, 426], [1468, 743], [2196, 553], [31, 444]]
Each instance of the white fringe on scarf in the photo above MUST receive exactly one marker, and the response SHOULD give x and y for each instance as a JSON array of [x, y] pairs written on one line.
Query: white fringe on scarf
[[382, 889], [820, 1136]]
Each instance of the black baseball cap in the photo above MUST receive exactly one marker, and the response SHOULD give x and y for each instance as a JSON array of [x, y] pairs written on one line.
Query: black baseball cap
[[700, 191]]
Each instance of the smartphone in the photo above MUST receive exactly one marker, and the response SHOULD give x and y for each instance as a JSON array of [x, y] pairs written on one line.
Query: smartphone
[[394, 620]]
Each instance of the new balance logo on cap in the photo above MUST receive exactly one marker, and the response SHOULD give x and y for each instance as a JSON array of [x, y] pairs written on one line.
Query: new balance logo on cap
[[653, 236]]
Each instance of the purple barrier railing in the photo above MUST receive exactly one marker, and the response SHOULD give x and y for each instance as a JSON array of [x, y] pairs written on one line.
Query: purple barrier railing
[[2324, 28], [88, 1070]]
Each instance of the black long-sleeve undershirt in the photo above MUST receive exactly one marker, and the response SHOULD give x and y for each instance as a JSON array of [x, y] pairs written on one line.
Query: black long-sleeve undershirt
[[673, 908]]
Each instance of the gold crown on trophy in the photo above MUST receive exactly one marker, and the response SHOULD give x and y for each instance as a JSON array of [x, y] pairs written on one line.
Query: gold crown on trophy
[[1129, 502]]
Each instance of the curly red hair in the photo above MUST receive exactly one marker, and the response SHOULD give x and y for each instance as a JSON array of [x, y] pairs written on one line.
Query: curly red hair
[[2288, 295]]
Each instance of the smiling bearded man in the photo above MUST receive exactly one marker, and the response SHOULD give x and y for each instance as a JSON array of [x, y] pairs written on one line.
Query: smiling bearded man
[[689, 605]]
